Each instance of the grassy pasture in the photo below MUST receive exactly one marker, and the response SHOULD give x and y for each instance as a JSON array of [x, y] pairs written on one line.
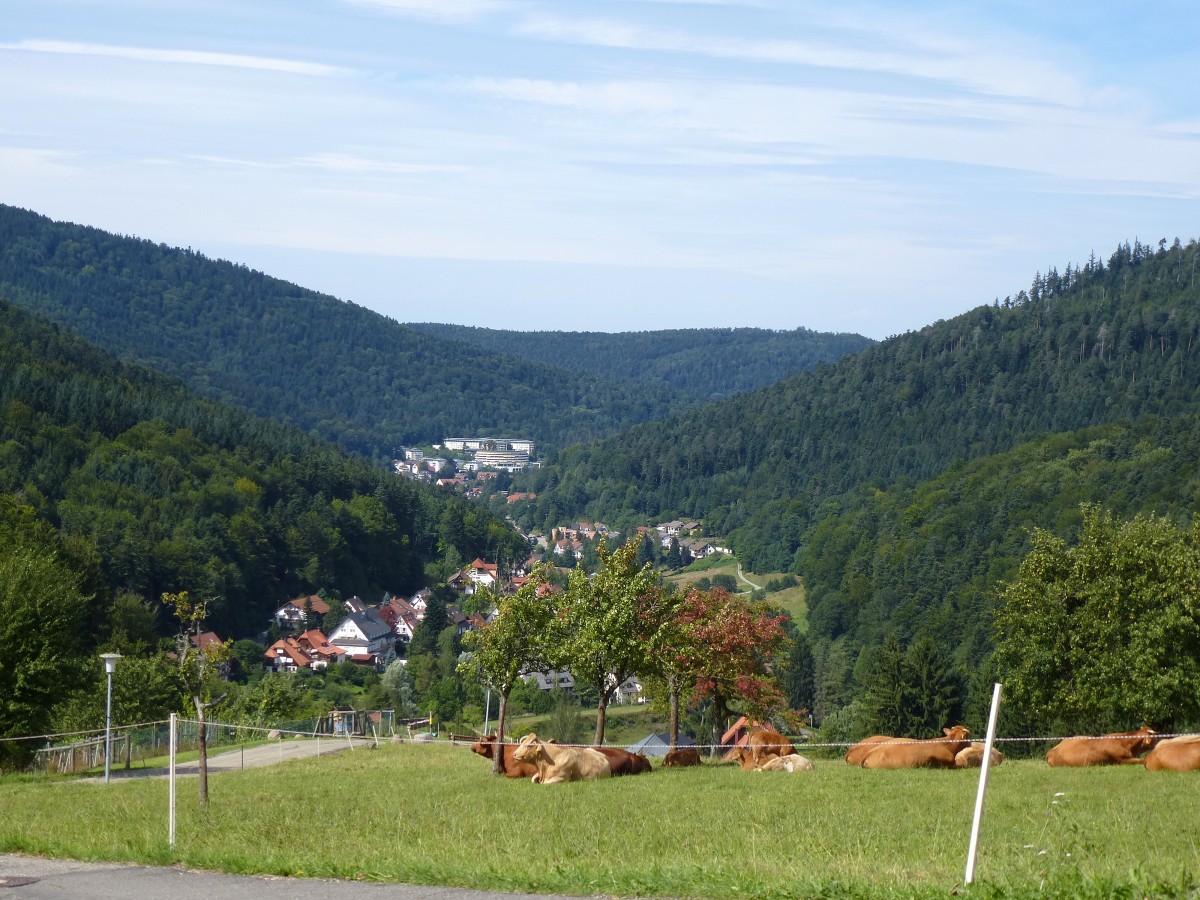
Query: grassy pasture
[[794, 600], [434, 815]]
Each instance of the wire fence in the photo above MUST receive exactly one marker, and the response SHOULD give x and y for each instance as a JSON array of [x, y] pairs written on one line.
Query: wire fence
[[146, 745]]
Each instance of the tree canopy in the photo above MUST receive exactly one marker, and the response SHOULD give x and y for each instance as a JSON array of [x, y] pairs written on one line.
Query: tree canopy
[[1104, 633]]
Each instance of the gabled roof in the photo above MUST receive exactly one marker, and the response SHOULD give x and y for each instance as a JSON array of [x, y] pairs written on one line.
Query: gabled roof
[[319, 606], [204, 640], [315, 641], [739, 731], [289, 648], [371, 624], [658, 744]]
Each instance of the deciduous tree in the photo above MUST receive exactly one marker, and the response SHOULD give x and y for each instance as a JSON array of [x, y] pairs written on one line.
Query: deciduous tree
[[39, 645], [199, 668], [513, 643], [725, 646], [609, 622], [1105, 634]]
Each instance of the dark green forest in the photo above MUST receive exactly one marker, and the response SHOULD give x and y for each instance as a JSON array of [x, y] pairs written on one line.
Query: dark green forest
[[336, 370], [703, 363], [1100, 343], [903, 483], [158, 490]]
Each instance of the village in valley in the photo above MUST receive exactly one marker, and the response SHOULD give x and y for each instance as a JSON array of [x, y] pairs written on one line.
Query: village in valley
[[317, 631]]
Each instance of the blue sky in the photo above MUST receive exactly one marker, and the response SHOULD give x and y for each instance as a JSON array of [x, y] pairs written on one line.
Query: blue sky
[[614, 166]]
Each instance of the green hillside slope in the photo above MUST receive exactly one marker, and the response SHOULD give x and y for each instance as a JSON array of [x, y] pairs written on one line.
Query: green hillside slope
[[705, 363], [334, 369], [166, 492], [925, 559], [1102, 343]]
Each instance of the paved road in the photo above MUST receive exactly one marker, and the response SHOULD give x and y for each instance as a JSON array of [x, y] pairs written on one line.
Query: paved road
[[34, 878], [252, 757], [747, 580]]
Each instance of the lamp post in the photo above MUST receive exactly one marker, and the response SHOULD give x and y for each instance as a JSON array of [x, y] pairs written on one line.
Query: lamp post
[[110, 666]]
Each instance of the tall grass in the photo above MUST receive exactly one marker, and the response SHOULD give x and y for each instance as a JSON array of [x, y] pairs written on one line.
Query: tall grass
[[434, 815]]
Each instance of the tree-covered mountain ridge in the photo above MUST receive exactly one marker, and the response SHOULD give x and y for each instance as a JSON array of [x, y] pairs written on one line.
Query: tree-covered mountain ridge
[[704, 363], [1099, 343], [332, 368], [164, 491]]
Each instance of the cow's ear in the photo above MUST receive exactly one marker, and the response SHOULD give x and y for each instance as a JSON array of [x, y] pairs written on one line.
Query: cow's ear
[[946, 732]]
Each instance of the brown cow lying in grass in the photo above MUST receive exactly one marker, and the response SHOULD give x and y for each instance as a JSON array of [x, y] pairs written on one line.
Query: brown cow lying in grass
[[556, 764], [622, 762], [972, 757], [791, 762], [1116, 749], [687, 756], [1181, 754], [741, 756], [937, 753], [856, 754], [767, 743], [486, 747]]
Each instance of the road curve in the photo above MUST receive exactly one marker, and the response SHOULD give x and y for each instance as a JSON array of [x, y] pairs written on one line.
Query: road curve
[[36, 878]]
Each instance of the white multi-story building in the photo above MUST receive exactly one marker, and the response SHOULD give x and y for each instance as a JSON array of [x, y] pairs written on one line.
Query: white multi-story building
[[513, 445]]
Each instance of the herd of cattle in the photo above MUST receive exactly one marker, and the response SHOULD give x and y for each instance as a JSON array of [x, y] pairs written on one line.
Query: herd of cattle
[[766, 750]]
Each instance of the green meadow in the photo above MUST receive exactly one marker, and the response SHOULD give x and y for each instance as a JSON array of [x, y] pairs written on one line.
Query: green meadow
[[433, 814]]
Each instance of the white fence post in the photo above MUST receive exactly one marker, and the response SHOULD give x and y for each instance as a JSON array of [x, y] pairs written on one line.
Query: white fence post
[[983, 780], [171, 780]]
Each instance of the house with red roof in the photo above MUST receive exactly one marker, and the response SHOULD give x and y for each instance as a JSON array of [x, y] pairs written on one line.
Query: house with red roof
[[310, 650], [291, 616]]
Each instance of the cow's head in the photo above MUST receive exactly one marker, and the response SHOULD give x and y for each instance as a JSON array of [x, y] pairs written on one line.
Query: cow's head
[[485, 746], [1147, 737], [527, 749], [959, 737]]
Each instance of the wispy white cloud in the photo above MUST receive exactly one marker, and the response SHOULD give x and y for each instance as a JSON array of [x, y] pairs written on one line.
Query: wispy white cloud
[[184, 57], [618, 97], [436, 10], [343, 162], [335, 163], [922, 53]]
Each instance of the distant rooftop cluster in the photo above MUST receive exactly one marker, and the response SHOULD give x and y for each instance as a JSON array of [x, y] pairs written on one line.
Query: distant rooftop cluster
[[498, 454]]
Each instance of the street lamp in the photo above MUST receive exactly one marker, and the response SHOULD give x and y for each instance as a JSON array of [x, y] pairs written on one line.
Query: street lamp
[[110, 666]]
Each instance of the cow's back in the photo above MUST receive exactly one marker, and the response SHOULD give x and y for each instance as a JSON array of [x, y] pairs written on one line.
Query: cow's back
[[622, 762], [913, 755], [1079, 752], [591, 764], [688, 756], [972, 757], [768, 743], [856, 754], [1181, 754]]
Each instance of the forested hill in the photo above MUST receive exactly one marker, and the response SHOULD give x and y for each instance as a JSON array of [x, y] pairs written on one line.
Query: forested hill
[[162, 491], [1099, 343], [705, 363], [334, 369]]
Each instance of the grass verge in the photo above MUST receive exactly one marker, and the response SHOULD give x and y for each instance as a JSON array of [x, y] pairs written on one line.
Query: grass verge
[[433, 815]]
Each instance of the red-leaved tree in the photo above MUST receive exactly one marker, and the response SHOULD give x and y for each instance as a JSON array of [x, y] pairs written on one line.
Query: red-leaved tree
[[721, 648]]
